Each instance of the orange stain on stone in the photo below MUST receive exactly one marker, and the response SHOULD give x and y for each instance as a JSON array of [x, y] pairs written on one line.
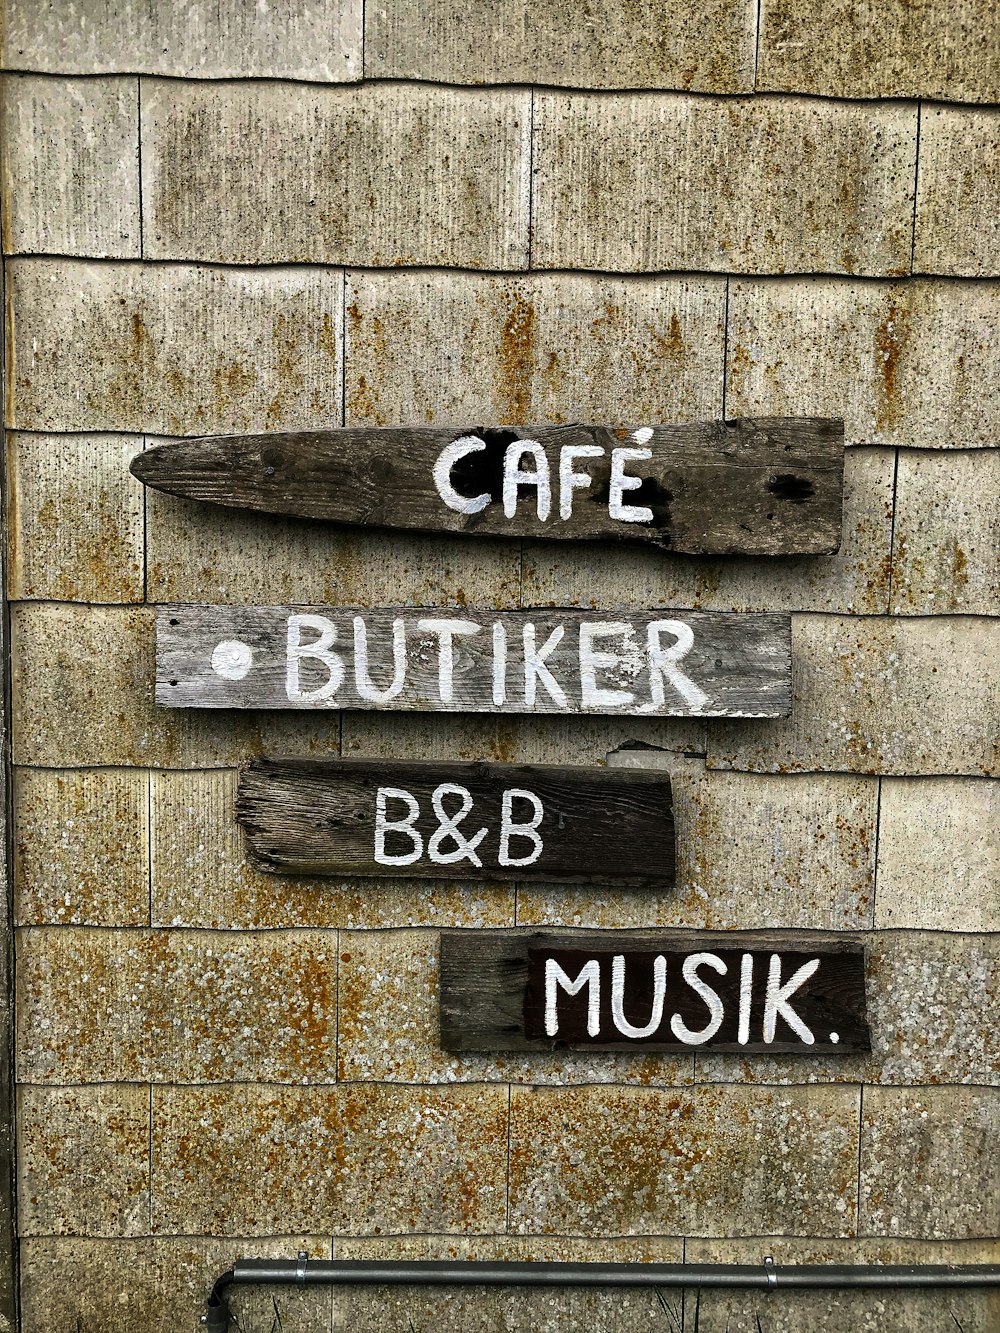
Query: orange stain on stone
[[517, 358], [890, 338]]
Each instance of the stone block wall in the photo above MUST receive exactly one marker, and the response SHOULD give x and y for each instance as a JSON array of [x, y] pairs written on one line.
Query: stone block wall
[[227, 217]]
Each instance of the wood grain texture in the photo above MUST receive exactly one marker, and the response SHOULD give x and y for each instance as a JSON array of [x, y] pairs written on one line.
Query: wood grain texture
[[319, 817], [492, 990], [467, 661], [771, 486]]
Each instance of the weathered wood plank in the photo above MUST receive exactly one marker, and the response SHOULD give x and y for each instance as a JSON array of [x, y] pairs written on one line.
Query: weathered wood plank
[[771, 486], [738, 991], [659, 663], [451, 820]]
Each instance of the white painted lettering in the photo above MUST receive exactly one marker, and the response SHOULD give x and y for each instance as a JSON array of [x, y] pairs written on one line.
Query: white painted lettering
[[232, 659], [663, 663], [589, 976], [446, 629], [514, 476], [384, 825], [458, 449], [511, 828], [591, 661], [689, 972], [526, 464], [626, 1028], [746, 982], [621, 483], [776, 999], [465, 848], [362, 680], [319, 649], [535, 669], [499, 663], [570, 481]]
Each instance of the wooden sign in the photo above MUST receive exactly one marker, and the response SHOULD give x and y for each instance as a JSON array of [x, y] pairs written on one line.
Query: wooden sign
[[350, 817], [770, 486], [658, 663], [747, 992]]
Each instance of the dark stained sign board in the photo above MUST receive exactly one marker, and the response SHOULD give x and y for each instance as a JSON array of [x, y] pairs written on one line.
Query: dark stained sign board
[[781, 993], [645, 663], [764, 486], [452, 820]]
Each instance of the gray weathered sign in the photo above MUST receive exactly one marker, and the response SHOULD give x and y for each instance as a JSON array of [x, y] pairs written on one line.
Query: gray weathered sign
[[657, 663]]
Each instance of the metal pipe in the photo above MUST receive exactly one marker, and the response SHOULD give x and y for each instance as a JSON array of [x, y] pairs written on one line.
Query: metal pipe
[[461, 1273]]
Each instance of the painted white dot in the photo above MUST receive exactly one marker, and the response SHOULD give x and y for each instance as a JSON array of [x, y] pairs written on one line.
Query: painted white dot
[[643, 435], [232, 659], [835, 1037]]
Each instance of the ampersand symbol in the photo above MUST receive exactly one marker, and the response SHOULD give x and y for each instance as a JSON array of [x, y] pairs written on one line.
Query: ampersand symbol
[[465, 848]]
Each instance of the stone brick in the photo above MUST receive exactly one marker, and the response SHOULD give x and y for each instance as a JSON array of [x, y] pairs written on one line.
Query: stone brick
[[939, 854], [81, 853], [709, 47], [958, 192], [856, 580], [879, 695], [934, 1008], [160, 1285], [489, 1310], [365, 1158], [388, 1027], [443, 348], [202, 554], [173, 349], [384, 174], [753, 851], [202, 878], [67, 1140], [311, 39], [513, 739], [105, 1006], [929, 1165], [75, 518], [904, 363], [901, 1311], [946, 537], [721, 1161], [761, 185], [949, 52], [95, 666], [71, 167], [933, 1011]]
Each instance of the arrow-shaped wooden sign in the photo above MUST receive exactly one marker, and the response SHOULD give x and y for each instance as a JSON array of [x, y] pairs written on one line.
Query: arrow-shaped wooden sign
[[767, 486]]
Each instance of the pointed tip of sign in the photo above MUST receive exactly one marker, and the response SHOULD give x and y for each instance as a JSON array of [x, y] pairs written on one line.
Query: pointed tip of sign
[[136, 467], [153, 466], [144, 466]]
